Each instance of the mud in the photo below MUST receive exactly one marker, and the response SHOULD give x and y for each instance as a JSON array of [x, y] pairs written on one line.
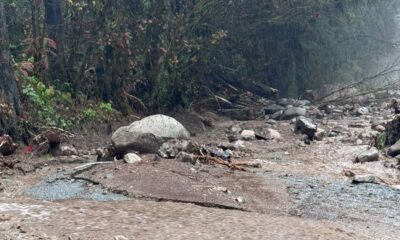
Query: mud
[[300, 192]]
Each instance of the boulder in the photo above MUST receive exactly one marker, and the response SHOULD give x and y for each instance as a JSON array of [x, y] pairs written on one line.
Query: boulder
[[148, 134], [306, 126], [293, 112], [369, 155], [132, 158], [394, 150]]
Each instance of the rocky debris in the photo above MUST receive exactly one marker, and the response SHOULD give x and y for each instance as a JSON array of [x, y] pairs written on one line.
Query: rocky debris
[[320, 134], [293, 112], [7, 145], [357, 179], [219, 152], [306, 126], [64, 149], [132, 158], [248, 135], [148, 134], [172, 148], [273, 108], [369, 155], [394, 150], [186, 157]]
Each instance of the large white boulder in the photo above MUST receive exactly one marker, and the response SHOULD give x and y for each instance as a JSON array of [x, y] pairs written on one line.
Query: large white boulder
[[148, 134]]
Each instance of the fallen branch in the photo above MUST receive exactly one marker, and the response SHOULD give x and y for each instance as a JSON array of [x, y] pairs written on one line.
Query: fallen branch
[[139, 101]]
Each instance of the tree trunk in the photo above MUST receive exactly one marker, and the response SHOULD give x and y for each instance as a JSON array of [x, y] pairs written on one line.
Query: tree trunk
[[9, 91], [55, 32]]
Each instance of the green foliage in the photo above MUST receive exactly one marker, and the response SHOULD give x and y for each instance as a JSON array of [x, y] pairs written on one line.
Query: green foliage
[[381, 141]]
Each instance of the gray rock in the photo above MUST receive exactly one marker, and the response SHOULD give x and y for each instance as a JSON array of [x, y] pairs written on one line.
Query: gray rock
[[364, 179], [271, 109], [306, 126], [186, 157], [147, 135], [132, 158], [370, 155], [277, 115], [394, 150], [293, 112]]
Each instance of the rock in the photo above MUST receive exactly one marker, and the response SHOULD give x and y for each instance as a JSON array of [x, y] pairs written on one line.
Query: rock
[[7, 145], [273, 134], [364, 179], [277, 115], [148, 134], [239, 144], [248, 135], [286, 102], [171, 148], [186, 157], [236, 129], [320, 134], [132, 158], [271, 109], [240, 200], [119, 237], [394, 150], [293, 112], [218, 152], [306, 126], [301, 103], [379, 128], [63, 149], [370, 155], [362, 111]]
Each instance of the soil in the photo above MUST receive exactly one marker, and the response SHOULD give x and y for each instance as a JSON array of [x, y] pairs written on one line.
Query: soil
[[299, 192]]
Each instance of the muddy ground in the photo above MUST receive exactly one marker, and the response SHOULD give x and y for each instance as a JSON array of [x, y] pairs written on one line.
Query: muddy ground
[[299, 191]]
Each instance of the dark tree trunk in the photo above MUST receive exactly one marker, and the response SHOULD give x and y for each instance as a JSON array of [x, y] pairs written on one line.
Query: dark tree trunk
[[55, 32], [9, 91]]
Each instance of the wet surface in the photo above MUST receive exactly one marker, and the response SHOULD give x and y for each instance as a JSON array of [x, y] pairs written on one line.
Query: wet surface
[[299, 193], [56, 187]]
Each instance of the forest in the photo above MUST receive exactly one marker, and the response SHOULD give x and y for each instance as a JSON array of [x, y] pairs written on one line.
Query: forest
[[144, 55], [283, 112]]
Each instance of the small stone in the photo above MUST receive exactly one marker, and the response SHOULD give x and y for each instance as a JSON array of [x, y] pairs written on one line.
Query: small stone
[[320, 134], [362, 111], [379, 128], [370, 155], [364, 179], [186, 157], [119, 237], [240, 199], [132, 158], [306, 126], [248, 135], [222, 189], [273, 134]]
